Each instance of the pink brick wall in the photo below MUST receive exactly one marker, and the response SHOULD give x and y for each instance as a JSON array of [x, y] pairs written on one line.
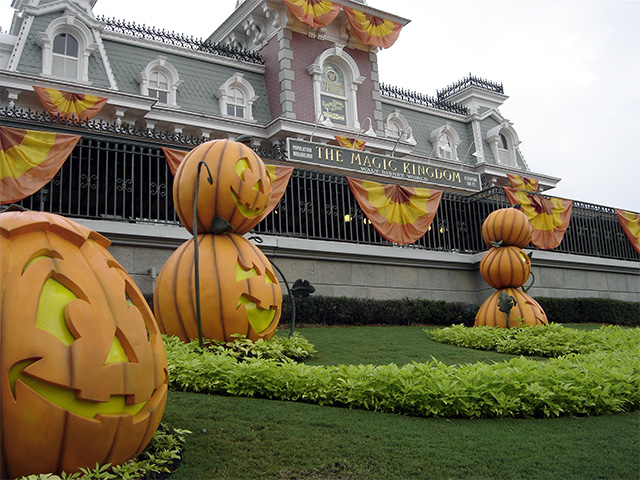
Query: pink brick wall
[[272, 71], [305, 51]]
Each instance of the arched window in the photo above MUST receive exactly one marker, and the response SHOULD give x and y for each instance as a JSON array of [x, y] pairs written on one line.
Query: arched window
[[503, 141], [236, 97], [160, 80], [336, 78], [65, 56], [445, 141], [396, 125], [66, 46]]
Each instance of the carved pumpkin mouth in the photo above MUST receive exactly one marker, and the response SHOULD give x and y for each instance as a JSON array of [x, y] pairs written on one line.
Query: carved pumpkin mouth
[[260, 318], [246, 174], [66, 399]]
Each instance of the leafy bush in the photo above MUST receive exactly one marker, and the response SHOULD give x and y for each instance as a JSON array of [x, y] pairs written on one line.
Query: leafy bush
[[604, 381], [318, 310], [161, 457], [281, 349], [591, 310], [552, 340]]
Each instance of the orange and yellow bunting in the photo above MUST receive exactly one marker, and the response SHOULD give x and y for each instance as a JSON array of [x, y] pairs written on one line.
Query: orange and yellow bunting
[[549, 217], [69, 105], [29, 159], [630, 223], [279, 180], [372, 30], [313, 13], [523, 183], [400, 214], [351, 143], [174, 157]]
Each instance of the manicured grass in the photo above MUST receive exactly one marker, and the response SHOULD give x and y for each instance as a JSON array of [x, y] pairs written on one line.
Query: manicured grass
[[243, 438], [383, 345]]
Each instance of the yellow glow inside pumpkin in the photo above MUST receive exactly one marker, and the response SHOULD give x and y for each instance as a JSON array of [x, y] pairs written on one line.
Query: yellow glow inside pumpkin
[[240, 167], [259, 318], [50, 317], [66, 398]]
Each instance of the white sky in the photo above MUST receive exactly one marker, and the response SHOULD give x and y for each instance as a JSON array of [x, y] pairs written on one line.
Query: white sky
[[570, 67]]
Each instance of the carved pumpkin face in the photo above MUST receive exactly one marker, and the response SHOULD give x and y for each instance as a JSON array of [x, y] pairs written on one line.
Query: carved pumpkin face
[[240, 192], [82, 363], [507, 225], [505, 267], [526, 308], [239, 292]]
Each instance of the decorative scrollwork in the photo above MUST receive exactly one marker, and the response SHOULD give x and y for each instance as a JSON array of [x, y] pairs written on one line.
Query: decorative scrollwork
[[470, 81], [179, 40], [416, 98], [124, 184], [90, 181]]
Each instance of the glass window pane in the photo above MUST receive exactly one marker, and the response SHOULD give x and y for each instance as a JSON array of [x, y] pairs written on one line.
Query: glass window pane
[[240, 112], [57, 66], [72, 46], [59, 43]]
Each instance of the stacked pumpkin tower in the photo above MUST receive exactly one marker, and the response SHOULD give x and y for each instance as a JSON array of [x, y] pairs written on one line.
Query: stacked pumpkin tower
[[229, 187], [506, 268]]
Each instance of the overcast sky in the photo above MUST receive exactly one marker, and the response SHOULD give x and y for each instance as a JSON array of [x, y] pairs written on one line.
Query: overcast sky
[[571, 69]]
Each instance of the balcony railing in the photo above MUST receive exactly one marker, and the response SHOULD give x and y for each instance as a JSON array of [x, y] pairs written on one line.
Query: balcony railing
[[128, 180]]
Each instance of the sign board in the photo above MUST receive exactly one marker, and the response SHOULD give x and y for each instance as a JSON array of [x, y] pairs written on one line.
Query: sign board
[[384, 166]]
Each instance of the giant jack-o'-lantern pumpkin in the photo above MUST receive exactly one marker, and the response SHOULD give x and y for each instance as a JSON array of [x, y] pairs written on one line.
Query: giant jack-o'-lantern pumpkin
[[82, 364], [240, 192], [239, 291], [508, 226], [525, 310]]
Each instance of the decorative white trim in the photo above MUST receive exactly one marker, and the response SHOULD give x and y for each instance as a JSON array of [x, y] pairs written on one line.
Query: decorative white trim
[[352, 79], [237, 81], [70, 25], [161, 65], [501, 155], [400, 122], [453, 140]]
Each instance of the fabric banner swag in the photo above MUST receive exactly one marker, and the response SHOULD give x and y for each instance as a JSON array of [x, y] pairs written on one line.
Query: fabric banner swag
[[523, 183], [29, 159], [69, 105], [400, 214], [313, 13], [549, 217], [352, 143], [630, 223]]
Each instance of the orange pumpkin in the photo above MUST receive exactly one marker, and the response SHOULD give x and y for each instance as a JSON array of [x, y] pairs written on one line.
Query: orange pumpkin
[[82, 364], [507, 225], [240, 192], [239, 292], [505, 267], [526, 310]]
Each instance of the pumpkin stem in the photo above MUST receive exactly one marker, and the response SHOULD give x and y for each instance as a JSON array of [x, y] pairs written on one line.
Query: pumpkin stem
[[220, 225], [496, 244], [517, 206], [246, 139]]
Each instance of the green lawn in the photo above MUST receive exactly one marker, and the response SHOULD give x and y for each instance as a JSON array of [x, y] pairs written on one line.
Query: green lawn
[[245, 438]]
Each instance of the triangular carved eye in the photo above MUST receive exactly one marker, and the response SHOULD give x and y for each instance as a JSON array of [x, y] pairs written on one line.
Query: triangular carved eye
[[50, 317]]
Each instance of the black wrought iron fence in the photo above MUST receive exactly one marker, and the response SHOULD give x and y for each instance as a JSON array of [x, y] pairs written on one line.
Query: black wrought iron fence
[[129, 181]]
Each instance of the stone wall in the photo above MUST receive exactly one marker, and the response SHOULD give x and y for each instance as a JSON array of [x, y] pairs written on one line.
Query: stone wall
[[364, 271]]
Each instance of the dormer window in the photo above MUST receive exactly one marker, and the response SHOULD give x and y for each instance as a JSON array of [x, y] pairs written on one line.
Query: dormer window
[[445, 141], [66, 46], [236, 97], [503, 141], [160, 80]]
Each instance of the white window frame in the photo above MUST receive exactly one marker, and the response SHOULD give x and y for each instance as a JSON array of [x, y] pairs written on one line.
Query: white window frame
[[397, 121], [70, 25], [225, 99], [439, 137], [495, 138], [160, 65], [352, 80]]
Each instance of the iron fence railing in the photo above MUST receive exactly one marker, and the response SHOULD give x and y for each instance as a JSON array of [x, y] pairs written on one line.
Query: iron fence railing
[[127, 180]]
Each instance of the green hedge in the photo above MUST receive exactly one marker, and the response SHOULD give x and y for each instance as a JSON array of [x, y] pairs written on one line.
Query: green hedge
[[591, 310], [318, 310]]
